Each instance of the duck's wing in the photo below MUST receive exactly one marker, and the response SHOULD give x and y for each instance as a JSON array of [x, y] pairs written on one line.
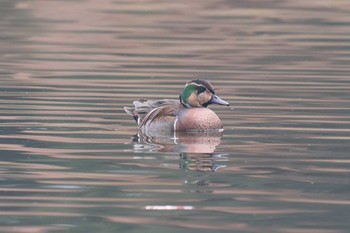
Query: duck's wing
[[166, 112], [151, 109]]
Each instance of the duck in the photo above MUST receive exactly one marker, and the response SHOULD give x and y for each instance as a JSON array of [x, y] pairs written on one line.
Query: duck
[[189, 113]]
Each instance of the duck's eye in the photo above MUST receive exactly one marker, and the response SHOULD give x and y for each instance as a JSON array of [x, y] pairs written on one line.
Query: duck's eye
[[201, 89]]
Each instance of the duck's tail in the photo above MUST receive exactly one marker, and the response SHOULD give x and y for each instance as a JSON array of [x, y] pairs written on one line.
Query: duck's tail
[[139, 111], [131, 112]]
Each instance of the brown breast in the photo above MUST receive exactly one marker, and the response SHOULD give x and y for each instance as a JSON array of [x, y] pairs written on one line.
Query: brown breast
[[197, 119]]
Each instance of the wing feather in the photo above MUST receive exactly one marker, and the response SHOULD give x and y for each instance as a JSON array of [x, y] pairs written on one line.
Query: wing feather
[[159, 113], [151, 110]]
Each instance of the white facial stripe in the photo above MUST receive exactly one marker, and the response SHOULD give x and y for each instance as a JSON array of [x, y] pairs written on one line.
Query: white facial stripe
[[194, 84]]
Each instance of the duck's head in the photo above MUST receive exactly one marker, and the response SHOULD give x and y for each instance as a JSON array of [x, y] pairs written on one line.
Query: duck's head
[[199, 93]]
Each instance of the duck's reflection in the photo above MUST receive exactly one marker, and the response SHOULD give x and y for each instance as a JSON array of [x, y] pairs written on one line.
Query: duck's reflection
[[196, 149], [201, 161]]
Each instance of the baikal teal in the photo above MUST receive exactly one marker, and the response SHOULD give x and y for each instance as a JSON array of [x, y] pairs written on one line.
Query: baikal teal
[[189, 113]]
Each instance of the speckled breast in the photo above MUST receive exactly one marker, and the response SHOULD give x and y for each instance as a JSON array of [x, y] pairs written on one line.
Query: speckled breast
[[197, 119]]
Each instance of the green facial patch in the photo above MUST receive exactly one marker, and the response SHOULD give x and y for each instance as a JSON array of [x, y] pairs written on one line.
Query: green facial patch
[[189, 89]]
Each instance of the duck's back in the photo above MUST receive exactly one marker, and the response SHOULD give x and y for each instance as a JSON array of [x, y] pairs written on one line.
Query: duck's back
[[143, 108], [165, 116]]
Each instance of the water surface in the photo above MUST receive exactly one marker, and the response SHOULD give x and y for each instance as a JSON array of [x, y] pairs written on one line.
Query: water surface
[[70, 161]]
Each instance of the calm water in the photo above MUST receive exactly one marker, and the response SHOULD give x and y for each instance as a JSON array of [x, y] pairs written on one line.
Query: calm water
[[69, 159]]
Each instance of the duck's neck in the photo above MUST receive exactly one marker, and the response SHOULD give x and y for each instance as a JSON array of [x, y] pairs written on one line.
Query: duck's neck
[[184, 103]]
